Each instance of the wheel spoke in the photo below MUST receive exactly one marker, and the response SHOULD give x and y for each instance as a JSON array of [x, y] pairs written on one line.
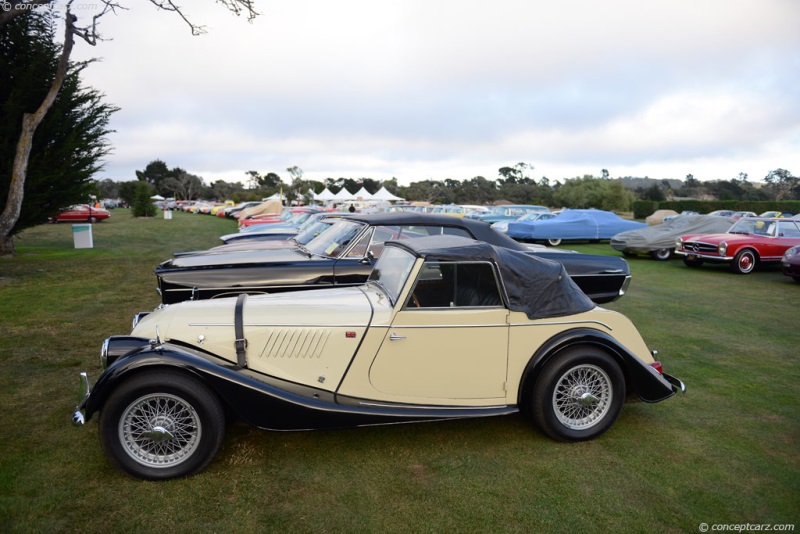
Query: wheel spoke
[[159, 430], [582, 397]]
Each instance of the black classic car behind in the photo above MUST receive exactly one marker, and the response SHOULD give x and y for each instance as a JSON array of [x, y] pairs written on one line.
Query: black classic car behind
[[343, 256]]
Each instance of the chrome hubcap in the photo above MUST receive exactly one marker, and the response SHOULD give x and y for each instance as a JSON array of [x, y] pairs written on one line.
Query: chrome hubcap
[[582, 397], [159, 430]]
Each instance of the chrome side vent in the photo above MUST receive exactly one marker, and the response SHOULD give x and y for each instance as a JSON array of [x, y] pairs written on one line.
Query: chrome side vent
[[294, 343]]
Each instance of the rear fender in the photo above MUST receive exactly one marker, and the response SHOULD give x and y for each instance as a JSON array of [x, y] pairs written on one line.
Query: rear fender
[[642, 379]]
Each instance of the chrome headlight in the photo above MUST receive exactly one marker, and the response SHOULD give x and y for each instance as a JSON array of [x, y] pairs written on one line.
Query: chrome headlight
[[679, 244], [792, 252], [722, 248]]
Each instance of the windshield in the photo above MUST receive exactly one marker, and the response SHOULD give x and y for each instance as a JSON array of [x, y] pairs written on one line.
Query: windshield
[[312, 230], [391, 271], [335, 239], [753, 226]]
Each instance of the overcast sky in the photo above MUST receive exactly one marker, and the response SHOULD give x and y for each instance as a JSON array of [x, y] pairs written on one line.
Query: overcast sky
[[419, 89]]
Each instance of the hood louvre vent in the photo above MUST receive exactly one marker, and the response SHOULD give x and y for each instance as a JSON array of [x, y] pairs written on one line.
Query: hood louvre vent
[[304, 343]]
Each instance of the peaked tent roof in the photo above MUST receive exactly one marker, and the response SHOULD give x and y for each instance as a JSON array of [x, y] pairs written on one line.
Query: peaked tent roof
[[363, 194], [344, 194], [384, 194], [325, 195]]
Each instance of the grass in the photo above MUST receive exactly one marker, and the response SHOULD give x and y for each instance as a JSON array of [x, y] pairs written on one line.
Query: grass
[[726, 452]]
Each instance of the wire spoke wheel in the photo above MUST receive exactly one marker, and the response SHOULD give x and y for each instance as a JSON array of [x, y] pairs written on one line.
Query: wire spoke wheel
[[160, 430], [161, 425], [578, 394], [582, 397]]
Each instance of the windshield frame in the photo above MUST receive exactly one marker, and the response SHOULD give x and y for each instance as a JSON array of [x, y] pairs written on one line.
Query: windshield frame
[[392, 271], [337, 239]]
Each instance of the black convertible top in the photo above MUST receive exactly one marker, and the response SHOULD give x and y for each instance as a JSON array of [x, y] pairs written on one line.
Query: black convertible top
[[481, 230], [539, 287]]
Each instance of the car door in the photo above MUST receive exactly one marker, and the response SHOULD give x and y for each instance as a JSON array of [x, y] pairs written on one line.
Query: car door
[[449, 344], [74, 213]]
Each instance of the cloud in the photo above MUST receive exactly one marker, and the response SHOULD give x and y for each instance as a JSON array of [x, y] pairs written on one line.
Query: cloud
[[455, 89]]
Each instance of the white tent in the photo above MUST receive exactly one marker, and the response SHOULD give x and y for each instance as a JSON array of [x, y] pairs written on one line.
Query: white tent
[[344, 194], [384, 194], [325, 195], [363, 194]]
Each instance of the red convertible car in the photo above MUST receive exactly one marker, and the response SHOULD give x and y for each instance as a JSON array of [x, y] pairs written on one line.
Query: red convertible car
[[81, 212], [748, 243]]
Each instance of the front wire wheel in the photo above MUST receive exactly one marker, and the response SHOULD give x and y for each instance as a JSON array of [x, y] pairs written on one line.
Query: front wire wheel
[[578, 395], [160, 430], [164, 425]]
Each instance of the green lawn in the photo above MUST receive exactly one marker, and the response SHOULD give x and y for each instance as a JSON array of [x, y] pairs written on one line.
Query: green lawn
[[726, 452]]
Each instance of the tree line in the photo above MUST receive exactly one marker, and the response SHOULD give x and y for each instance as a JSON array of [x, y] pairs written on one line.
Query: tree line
[[512, 184]]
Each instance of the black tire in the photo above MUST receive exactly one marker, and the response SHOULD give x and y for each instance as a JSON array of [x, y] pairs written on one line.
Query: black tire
[[744, 262], [578, 394], [662, 254], [553, 242], [692, 263], [92, 219], [161, 425]]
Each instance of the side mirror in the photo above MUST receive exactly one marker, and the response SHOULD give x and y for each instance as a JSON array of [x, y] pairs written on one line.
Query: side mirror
[[367, 259]]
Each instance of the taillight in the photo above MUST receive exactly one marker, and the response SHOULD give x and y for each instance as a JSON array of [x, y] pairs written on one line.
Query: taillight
[[657, 367]]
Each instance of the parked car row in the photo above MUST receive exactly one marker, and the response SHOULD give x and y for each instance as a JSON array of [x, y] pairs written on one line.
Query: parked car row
[[343, 255], [743, 243]]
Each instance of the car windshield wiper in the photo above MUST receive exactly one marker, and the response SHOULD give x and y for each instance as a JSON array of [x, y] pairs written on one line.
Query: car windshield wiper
[[740, 232], [304, 250]]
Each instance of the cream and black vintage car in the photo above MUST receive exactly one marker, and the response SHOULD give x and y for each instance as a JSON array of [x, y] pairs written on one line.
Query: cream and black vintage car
[[446, 327]]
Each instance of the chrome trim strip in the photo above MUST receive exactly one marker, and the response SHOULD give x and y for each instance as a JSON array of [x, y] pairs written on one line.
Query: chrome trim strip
[[488, 325], [283, 325], [558, 323], [416, 407], [703, 255]]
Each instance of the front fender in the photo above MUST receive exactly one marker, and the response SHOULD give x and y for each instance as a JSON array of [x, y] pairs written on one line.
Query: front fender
[[648, 384]]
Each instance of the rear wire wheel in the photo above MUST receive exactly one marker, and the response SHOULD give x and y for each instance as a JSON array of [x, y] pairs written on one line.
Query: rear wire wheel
[[578, 394]]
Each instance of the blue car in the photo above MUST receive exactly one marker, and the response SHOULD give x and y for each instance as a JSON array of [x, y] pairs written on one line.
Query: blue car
[[508, 212], [589, 225]]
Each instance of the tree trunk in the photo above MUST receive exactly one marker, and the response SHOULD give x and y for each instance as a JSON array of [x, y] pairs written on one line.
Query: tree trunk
[[31, 121]]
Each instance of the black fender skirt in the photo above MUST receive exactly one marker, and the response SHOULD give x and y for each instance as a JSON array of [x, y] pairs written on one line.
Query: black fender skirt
[[647, 383], [268, 402]]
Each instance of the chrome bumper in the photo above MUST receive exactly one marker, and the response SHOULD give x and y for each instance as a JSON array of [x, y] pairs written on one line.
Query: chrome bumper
[[676, 384], [78, 418]]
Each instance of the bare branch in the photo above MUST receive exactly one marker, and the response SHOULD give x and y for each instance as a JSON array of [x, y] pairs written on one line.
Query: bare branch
[[89, 33], [237, 7], [169, 5]]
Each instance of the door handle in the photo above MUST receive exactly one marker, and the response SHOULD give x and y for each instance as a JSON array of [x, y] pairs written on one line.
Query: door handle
[[395, 337]]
